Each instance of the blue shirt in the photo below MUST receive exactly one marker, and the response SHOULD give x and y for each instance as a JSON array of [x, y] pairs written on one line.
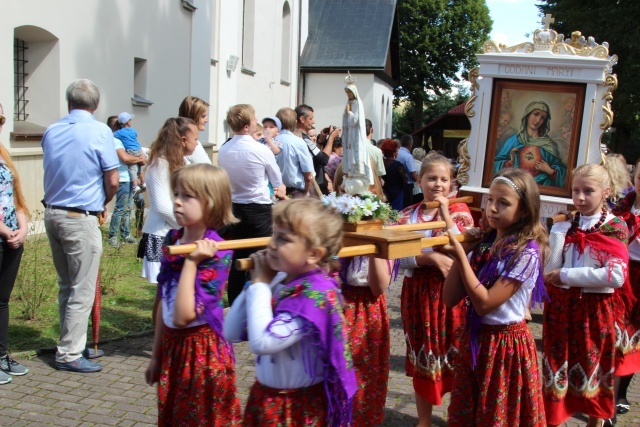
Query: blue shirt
[[77, 149], [405, 157], [129, 138], [294, 160], [123, 169]]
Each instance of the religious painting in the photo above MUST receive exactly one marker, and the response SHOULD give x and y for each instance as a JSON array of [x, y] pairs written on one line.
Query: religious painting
[[535, 126]]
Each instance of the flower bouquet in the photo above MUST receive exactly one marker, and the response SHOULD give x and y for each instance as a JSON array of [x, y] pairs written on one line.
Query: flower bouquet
[[362, 207]]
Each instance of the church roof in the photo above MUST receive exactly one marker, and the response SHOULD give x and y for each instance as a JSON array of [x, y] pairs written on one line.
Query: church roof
[[352, 35]]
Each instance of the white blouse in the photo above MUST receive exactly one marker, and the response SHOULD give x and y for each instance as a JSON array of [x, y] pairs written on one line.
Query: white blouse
[[513, 310], [279, 351], [582, 271]]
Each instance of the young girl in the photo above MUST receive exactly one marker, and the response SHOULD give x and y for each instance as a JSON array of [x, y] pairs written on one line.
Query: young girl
[[588, 261], [628, 321], [295, 325], [364, 281], [191, 360], [497, 380], [429, 327]]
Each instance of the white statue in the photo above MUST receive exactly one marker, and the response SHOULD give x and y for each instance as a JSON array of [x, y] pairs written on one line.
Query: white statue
[[356, 163]]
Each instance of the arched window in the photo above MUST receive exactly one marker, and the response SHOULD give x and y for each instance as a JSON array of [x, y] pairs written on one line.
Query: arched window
[[248, 33], [285, 50], [383, 120], [36, 61], [388, 118]]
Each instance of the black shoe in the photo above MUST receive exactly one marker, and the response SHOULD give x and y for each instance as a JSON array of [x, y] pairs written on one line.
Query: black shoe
[[622, 407], [79, 365], [609, 422]]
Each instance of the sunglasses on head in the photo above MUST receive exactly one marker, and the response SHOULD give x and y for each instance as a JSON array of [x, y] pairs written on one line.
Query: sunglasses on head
[[2, 120]]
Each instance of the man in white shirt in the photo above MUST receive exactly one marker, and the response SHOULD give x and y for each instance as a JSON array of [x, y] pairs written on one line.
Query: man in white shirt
[[374, 152], [250, 166]]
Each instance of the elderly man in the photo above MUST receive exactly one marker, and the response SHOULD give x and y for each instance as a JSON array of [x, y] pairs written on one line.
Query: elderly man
[[80, 178]]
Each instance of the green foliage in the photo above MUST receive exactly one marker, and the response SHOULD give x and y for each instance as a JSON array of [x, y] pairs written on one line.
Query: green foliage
[[127, 299], [616, 23], [37, 278], [438, 43], [434, 107]]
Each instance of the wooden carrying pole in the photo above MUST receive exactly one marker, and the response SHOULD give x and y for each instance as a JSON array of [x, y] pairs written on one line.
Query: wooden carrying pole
[[260, 242], [360, 250], [263, 241]]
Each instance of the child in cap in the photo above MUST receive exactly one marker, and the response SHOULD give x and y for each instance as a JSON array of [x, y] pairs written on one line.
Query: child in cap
[[271, 127], [257, 135], [129, 138]]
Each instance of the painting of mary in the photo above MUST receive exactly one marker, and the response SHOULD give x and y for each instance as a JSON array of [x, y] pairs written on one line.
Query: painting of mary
[[533, 149]]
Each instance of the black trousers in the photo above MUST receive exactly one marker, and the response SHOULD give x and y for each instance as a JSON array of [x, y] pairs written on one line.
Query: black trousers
[[9, 265], [255, 221]]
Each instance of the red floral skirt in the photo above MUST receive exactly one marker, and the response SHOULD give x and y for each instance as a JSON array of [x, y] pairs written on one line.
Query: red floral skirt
[[271, 407], [578, 339], [503, 390], [368, 331], [432, 332], [627, 326], [197, 384]]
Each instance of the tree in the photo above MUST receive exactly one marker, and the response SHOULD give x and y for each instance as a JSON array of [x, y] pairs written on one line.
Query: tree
[[614, 22], [434, 107], [438, 43]]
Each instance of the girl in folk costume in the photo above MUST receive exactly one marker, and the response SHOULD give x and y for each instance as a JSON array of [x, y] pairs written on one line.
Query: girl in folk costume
[[588, 261], [628, 319], [497, 379], [364, 281], [291, 311], [430, 328], [191, 360]]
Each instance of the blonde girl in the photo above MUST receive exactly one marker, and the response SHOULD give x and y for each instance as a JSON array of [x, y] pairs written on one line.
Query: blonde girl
[[191, 360], [430, 327], [587, 268], [291, 313], [497, 379]]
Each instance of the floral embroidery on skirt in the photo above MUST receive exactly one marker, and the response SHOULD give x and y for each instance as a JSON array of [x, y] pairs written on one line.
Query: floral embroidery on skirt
[[432, 332], [578, 354], [197, 384], [270, 407], [368, 331], [504, 388]]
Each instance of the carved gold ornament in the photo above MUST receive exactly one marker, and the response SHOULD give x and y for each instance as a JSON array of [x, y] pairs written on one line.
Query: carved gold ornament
[[611, 82], [465, 162], [474, 74]]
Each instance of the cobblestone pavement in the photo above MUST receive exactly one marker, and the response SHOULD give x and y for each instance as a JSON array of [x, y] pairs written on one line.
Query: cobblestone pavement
[[118, 396]]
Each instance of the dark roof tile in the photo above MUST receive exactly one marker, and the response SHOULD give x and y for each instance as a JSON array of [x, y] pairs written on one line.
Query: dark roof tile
[[348, 34]]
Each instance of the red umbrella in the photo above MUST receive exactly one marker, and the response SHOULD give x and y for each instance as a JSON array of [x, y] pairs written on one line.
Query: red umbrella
[[95, 315]]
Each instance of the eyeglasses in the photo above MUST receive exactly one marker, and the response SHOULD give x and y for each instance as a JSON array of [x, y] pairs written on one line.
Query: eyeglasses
[[2, 120]]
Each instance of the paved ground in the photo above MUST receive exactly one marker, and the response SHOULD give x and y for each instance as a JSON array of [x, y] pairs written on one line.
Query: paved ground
[[118, 396]]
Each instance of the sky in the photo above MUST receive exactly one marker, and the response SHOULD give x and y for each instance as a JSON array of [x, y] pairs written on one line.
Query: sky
[[512, 19]]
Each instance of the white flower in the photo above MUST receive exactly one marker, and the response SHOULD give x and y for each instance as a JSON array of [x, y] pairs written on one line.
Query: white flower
[[330, 200], [343, 204], [369, 207]]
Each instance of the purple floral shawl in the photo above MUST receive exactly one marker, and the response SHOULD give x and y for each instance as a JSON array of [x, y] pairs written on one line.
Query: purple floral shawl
[[486, 268], [211, 278], [315, 297]]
